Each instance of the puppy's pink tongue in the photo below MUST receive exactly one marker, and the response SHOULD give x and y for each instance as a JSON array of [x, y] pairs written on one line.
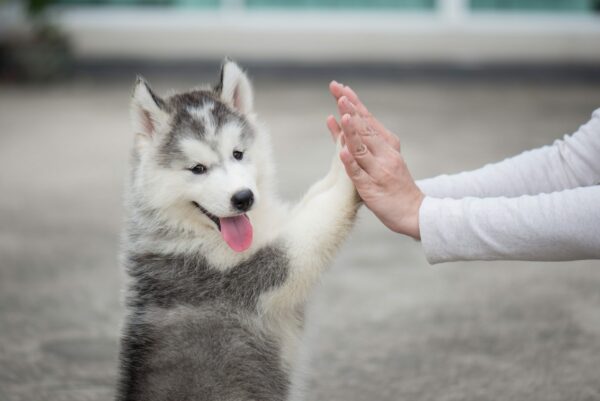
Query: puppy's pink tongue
[[237, 232]]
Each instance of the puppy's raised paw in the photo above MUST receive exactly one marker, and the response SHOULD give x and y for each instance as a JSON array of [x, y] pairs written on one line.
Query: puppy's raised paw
[[342, 182]]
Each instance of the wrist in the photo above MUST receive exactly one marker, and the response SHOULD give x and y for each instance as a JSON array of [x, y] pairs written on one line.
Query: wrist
[[406, 222], [413, 228]]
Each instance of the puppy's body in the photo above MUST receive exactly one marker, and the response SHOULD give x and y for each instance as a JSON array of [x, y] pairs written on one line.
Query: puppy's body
[[220, 269]]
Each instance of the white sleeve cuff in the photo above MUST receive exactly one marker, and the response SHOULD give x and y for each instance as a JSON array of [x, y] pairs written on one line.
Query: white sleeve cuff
[[439, 240]]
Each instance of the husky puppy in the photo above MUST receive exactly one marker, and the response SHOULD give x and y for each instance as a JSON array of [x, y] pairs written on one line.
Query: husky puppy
[[219, 268]]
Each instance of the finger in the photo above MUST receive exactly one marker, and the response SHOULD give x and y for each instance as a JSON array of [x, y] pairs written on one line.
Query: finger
[[358, 176], [349, 94], [355, 145], [336, 89], [362, 110], [345, 107], [353, 97], [371, 137], [334, 128]]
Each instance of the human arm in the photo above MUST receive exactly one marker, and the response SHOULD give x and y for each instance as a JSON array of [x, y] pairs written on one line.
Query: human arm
[[562, 225]]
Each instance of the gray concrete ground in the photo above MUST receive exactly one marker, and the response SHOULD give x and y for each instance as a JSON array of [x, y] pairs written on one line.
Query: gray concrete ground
[[384, 325]]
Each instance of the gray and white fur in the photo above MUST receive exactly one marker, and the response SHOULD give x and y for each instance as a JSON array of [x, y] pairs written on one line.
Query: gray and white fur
[[206, 322]]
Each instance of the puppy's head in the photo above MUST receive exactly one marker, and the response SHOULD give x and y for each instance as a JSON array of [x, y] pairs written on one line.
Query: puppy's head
[[198, 155]]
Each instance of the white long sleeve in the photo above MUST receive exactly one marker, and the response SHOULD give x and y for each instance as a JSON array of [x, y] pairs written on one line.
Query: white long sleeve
[[557, 223], [561, 225]]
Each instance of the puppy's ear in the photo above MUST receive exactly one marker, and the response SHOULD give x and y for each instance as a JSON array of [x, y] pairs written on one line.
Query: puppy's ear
[[148, 111], [235, 88]]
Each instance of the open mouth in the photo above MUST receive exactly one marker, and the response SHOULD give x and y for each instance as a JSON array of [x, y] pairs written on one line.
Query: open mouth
[[235, 230], [208, 214]]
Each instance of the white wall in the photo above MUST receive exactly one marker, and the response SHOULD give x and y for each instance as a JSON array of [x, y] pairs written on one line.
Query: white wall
[[451, 34]]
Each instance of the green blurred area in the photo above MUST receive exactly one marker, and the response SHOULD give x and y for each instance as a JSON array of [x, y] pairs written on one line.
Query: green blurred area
[[344, 4], [425, 5], [535, 5], [208, 4], [281, 4]]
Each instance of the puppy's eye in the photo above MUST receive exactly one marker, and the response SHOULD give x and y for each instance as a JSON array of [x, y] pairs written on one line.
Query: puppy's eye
[[237, 155], [198, 169]]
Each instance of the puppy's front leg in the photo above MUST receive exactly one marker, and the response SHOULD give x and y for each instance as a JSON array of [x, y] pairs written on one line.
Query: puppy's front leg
[[315, 231]]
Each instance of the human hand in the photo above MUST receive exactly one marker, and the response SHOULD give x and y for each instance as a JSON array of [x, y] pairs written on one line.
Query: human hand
[[340, 92], [373, 161]]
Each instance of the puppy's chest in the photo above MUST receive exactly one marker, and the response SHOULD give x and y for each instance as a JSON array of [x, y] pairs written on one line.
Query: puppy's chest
[[169, 280]]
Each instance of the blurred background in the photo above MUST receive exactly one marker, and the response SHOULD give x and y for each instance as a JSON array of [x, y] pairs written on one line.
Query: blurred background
[[462, 82]]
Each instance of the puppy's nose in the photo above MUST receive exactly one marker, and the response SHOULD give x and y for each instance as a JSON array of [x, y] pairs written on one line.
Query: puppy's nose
[[242, 200]]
